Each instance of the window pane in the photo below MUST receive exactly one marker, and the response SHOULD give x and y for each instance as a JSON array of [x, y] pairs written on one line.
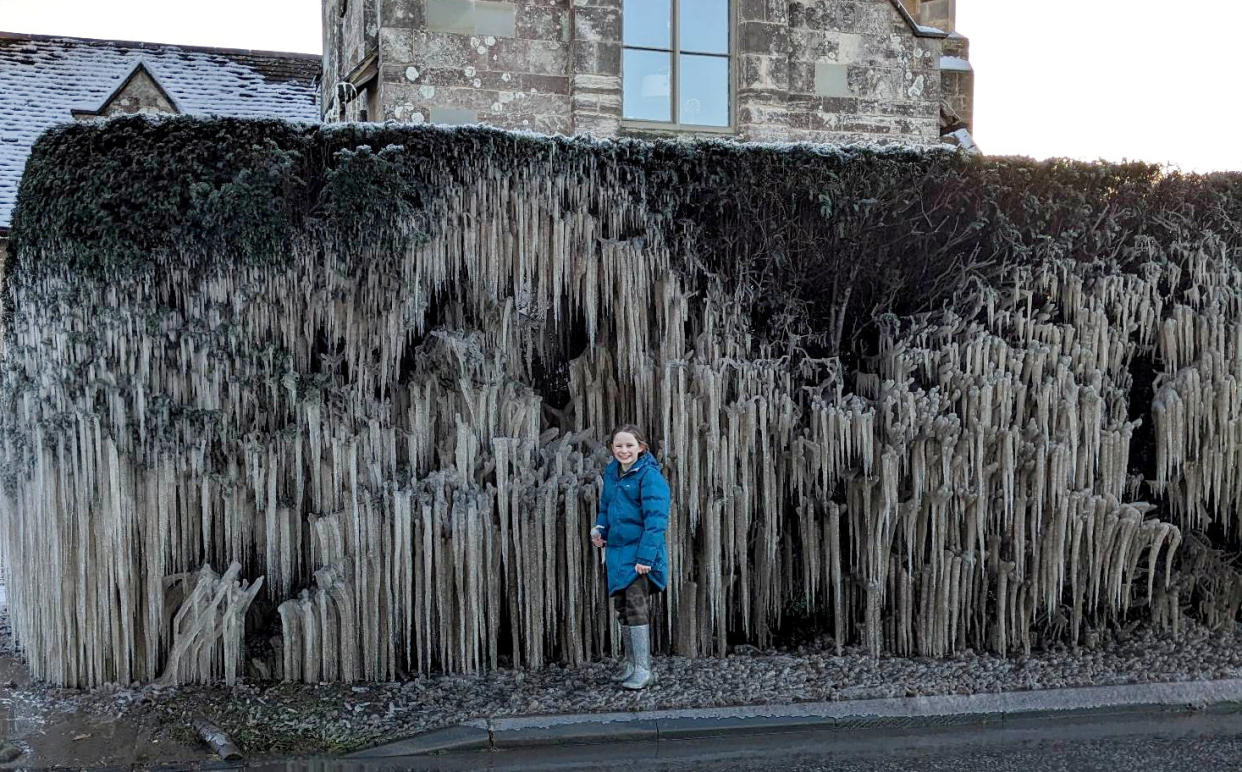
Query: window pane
[[646, 94], [647, 23], [704, 90], [705, 26]]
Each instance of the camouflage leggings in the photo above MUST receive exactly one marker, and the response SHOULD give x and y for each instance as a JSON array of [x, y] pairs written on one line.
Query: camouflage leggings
[[632, 603]]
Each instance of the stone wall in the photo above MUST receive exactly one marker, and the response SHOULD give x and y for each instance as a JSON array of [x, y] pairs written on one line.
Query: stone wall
[[822, 71], [840, 71], [350, 36], [957, 79], [471, 61]]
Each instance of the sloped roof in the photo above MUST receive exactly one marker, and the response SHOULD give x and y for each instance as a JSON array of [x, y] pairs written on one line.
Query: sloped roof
[[43, 79]]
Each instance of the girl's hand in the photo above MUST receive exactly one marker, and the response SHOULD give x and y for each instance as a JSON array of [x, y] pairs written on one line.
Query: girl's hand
[[597, 540], [641, 569]]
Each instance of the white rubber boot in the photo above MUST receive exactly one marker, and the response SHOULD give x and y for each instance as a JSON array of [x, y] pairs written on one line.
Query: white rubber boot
[[627, 654], [640, 645]]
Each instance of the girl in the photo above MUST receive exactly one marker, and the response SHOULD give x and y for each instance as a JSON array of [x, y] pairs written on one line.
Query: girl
[[633, 513]]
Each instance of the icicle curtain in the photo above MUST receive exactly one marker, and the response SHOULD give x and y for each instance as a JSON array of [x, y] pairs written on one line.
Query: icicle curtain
[[335, 397]]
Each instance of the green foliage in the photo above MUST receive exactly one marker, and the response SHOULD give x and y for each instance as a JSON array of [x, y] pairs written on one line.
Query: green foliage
[[370, 201], [248, 217], [816, 241]]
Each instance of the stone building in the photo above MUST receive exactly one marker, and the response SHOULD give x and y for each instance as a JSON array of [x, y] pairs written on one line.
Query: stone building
[[49, 80], [816, 70]]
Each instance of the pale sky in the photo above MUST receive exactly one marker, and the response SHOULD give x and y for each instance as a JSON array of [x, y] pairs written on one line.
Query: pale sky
[[1139, 79], [1144, 80]]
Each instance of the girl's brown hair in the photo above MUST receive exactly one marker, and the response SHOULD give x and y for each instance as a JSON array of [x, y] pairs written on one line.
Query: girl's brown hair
[[630, 429]]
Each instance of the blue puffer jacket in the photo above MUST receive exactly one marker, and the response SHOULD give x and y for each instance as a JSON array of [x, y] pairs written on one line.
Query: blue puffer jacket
[[633, 512]]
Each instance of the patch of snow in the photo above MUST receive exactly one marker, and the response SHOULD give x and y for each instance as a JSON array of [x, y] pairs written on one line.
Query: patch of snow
[[955, 63], [962, 139]]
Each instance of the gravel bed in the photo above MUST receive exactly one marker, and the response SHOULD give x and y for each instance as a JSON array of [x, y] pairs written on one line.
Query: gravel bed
[[271, 719]]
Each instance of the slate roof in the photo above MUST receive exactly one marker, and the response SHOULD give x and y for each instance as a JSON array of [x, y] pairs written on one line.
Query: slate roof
[[43, 79]]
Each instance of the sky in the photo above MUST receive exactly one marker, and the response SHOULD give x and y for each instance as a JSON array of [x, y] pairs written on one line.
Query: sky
[[1143, 80], [1089, 79], [266, 25]]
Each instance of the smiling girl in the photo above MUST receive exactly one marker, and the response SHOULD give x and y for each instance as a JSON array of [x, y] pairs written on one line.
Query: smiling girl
[[633, 513]]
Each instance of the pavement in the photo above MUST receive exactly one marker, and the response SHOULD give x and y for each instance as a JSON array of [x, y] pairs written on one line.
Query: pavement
[[1007, 709]]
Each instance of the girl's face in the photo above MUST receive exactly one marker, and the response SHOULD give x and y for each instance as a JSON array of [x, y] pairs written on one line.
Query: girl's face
[[625, 448]]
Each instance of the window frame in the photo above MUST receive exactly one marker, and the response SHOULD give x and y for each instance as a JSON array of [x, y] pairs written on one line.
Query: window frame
[[675, 78]]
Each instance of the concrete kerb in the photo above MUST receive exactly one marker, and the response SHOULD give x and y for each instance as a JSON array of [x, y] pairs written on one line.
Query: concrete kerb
[[944, 710]]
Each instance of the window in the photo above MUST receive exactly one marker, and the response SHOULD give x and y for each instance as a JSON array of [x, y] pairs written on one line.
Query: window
[[675, 62]]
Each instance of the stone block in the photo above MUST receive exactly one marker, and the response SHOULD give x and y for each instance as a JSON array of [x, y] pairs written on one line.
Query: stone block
[[543, 84], [451, 16], [538, 22], [610, 102], [471, 17], [889, 108], [518, 102], [876, 83], [763, 113], [479, 100], [838, 16], [596, 125], [614, 4], [600, 58], [822, 17], [866, 126], [876, 18], [597, 24], [839, 105], [808, 44], [752, 10], [427, 96], [394, 73], [756, 37], [832, 79], [801, 77], [844, 47], [410, 14], [551, 124], [453, 77], [816, 120], [539, 57], [495, 18], [590, 82], [437, 49], [396, 44], [763, 72], [452, 116]]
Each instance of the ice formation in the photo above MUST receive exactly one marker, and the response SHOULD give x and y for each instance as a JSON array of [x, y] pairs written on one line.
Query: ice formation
[[355, 445]]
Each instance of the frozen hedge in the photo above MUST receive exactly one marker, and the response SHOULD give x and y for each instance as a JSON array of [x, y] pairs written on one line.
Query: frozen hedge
[[334, 397]]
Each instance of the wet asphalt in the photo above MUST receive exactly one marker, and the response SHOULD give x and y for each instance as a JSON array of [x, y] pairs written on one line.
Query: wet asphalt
[[1149, 741]]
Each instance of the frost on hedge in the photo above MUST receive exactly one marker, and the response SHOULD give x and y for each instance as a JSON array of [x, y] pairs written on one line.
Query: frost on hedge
[[335, 398]]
